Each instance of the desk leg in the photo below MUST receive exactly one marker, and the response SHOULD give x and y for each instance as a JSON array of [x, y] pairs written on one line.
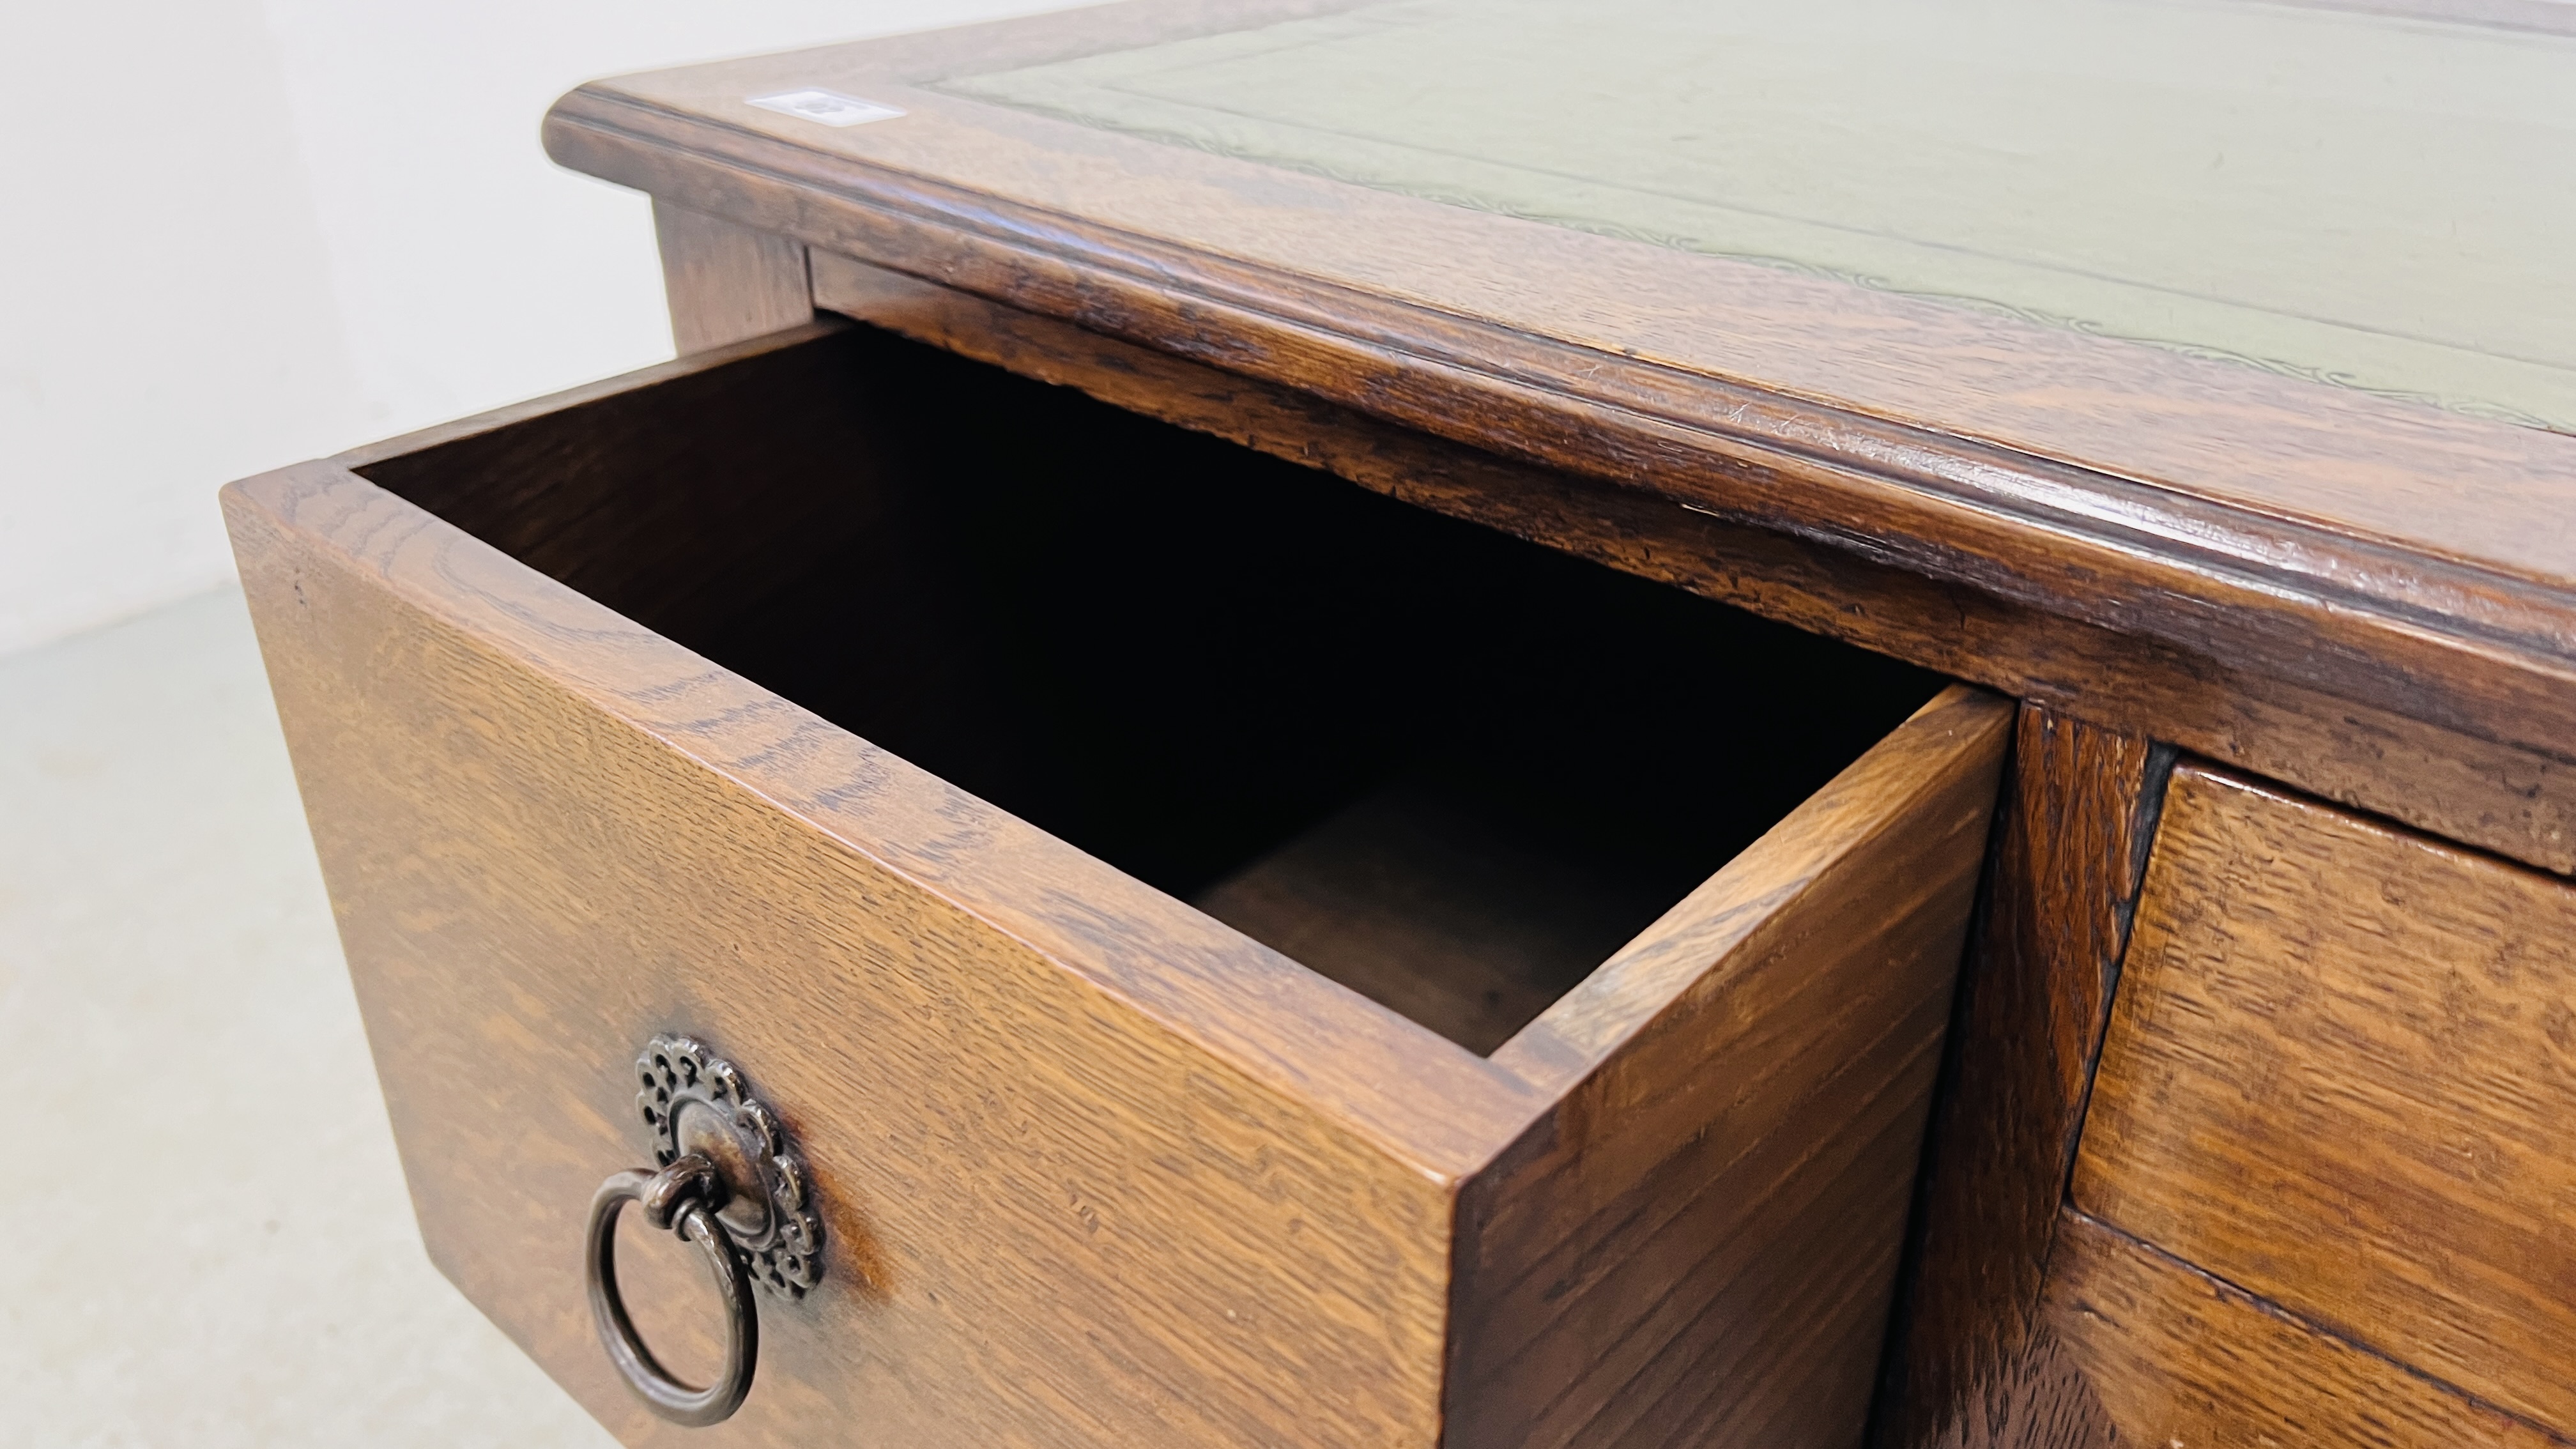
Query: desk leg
[[727, 282], [2034, 999]]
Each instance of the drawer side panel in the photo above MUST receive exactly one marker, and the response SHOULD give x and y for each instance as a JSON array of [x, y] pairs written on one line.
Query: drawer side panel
[[1699, 1244]]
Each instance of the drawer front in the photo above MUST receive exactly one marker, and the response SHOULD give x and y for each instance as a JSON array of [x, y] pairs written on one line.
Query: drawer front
[[1093, 1167], [1056, 1214], [2341, 1075], [2140, 1348]]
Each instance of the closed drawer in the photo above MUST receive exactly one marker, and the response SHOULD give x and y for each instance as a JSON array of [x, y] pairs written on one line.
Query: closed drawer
[[2341, 1077], [1246, 961], [2141, 1348]]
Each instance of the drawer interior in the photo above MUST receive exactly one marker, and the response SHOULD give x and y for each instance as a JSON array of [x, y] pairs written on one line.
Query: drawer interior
[[1449, 768]]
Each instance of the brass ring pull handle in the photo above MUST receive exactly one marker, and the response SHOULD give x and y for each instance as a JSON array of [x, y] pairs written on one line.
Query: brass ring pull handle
[[729, 1182], [682, 1197]]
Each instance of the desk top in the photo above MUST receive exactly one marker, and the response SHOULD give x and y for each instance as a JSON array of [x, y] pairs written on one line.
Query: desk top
[[2241, 327], [2355, 198]]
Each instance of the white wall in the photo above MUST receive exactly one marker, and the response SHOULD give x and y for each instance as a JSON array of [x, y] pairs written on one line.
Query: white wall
[[237, 234]]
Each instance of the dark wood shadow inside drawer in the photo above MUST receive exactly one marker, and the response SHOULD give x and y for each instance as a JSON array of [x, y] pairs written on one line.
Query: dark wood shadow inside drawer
[[1453, 770]]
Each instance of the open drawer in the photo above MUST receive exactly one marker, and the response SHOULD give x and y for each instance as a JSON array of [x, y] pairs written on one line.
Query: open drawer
[[1245, 960]]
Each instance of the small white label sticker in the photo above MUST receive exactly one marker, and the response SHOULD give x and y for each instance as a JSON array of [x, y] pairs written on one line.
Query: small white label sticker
[[829, 107]]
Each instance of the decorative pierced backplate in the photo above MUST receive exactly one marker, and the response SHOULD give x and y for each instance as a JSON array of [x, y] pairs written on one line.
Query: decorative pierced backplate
[[694, 1101]]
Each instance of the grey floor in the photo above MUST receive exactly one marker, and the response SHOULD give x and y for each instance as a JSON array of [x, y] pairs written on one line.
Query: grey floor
[[204, 1239]]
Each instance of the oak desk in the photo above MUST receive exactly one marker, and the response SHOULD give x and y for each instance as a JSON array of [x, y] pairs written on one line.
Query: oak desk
[[1254, 748]]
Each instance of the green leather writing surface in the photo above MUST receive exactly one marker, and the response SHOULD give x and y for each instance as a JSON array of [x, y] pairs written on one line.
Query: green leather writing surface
[[2386, 203]]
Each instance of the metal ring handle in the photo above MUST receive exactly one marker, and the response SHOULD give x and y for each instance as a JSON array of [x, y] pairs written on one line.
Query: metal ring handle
[[682, 1197]]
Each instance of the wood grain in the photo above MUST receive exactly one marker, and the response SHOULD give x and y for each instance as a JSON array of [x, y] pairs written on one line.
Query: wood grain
[[2040, 1400], [2034, 999], [2351, 548], [2513, 801], [1697, 1242], [549, 834], [2342, 1076], [2178, 1357], [726, 282], [1102, 1170], [1413, 899]]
